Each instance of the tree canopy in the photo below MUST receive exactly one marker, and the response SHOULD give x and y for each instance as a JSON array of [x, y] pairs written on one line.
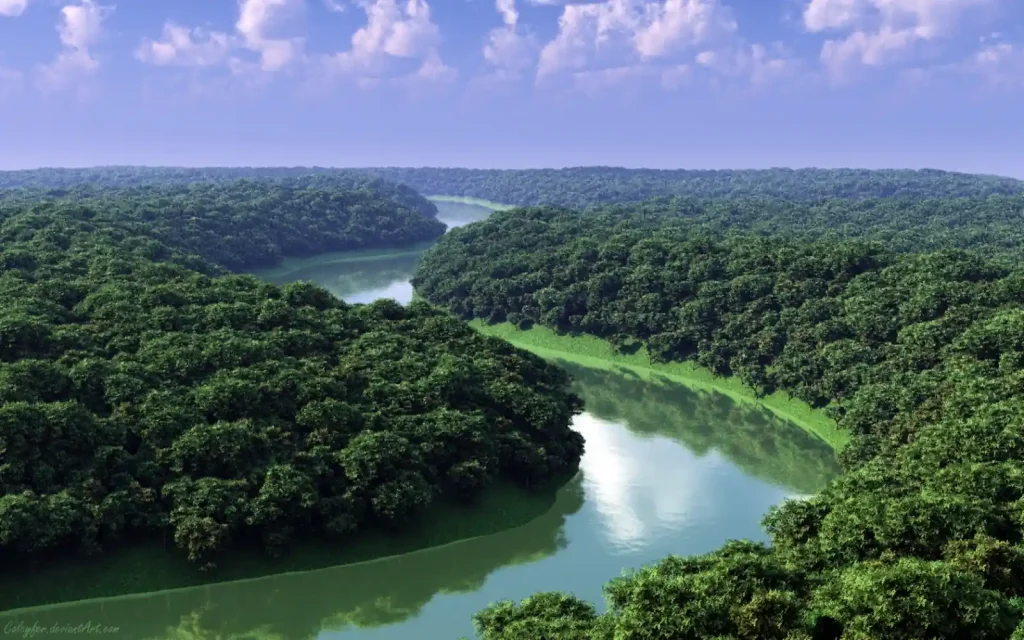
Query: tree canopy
[[918, 355], [142, 394], [570, 187], [248, 224], [579, 187]]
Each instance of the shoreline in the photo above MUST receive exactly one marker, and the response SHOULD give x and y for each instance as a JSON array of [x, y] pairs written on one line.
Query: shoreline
[[595, 353]]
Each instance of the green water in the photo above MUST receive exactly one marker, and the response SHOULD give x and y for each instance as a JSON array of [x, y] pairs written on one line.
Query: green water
[[358, 279], [667, 470]]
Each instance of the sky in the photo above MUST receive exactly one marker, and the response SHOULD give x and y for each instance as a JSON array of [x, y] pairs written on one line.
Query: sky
[[514, 83]]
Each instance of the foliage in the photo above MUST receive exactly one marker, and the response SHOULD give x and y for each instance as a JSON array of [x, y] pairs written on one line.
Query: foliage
[[580, 187], [248, 224], [917, 355], [570, 187], [142, 394]]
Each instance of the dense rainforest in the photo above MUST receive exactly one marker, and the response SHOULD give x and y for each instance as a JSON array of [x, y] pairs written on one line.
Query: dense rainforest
[[249, 224], [918, 356], [90, 179], [580, 187], [144, 395], [993, 225], [575, 187]]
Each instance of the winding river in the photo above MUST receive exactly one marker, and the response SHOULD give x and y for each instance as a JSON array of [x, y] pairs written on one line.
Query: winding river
[[668, 469]]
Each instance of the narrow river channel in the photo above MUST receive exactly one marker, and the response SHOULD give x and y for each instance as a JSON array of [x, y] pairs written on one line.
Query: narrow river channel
[[667, 469]]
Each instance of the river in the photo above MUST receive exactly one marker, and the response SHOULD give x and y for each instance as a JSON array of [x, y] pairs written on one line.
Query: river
[[667, 469]]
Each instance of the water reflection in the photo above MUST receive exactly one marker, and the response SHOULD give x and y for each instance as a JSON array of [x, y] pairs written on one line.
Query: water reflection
[[297, 606], [712, 427], [359, 281], [667, 470], [370, 277]]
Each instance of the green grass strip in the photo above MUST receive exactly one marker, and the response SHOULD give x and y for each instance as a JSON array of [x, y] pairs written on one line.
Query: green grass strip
[[593, 352]]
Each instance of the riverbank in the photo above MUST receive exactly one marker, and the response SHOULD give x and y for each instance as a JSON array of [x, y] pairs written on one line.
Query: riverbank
[[160, 567], [589, 351], [477, 202]]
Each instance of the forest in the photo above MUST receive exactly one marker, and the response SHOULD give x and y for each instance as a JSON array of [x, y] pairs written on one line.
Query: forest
[[992, 225], [582, 187], [576, 187], [249, 224], [917, 355], [146, 395]]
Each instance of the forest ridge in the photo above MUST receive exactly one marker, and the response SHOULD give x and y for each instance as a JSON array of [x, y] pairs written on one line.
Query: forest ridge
[[572, 187]]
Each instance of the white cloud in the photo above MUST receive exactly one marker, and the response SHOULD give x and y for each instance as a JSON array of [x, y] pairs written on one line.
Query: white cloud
[[1000, 65], [80, 27], [181, 46], [676, 23], [394, 30], [640, 29], [255, 19], [11, 8], [197, 47], [508, 50], [880, 31]]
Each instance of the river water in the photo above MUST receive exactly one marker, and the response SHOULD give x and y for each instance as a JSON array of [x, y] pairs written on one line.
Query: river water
[[667, 470]]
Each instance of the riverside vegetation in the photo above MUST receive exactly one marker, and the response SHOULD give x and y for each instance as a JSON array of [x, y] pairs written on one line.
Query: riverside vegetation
[[918, 355], [144, 392]]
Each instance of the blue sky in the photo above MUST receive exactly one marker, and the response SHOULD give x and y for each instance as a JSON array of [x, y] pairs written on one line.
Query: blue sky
[[514, 83]]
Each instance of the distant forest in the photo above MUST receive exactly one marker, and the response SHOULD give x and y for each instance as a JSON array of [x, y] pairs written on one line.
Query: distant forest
[[993, 225], [576, 187], [248, 224]]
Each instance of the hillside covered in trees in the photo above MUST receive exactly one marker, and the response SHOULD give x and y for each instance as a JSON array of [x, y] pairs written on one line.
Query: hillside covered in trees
[[90, 179], [992, 225], [575, 187], [580, 187], [143, 395], [919, 356], [248, 224]]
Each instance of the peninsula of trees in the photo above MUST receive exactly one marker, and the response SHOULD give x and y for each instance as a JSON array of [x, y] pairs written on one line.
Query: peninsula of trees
[[919, 356], [143, 392], [249, 224]]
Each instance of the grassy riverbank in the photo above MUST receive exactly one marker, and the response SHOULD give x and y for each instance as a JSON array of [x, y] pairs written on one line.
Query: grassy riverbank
[[478, 202], [595, 353]]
